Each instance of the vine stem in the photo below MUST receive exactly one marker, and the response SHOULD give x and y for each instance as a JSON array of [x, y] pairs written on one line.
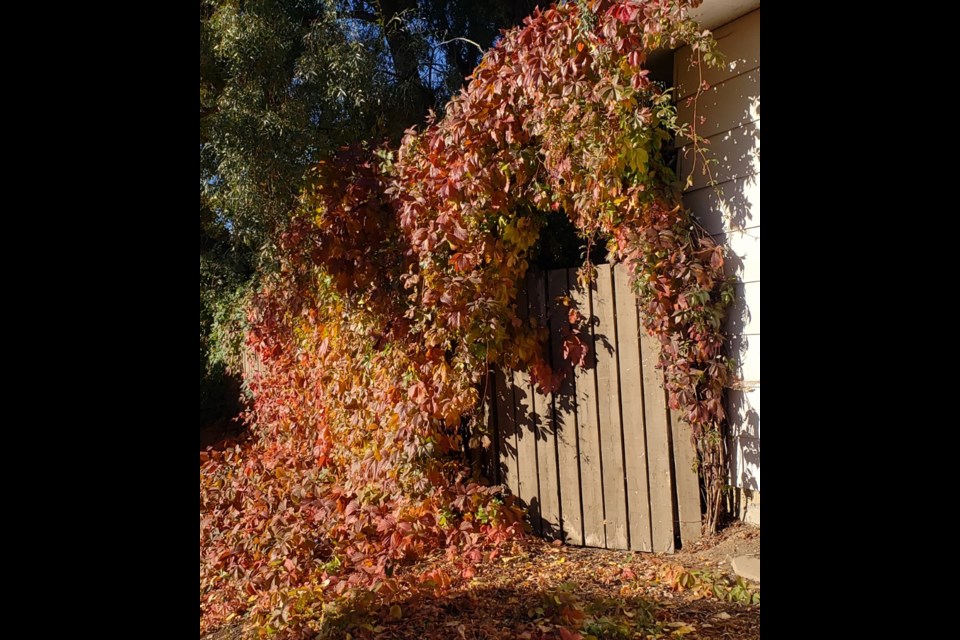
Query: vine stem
[[713, 453], [486, 378], [697, 150], [467, 40]]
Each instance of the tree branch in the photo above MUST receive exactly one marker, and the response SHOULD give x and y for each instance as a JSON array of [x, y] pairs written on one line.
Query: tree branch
[[467, 40]]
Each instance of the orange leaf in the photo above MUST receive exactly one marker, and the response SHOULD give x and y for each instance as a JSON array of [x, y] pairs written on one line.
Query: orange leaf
[[565, 634]]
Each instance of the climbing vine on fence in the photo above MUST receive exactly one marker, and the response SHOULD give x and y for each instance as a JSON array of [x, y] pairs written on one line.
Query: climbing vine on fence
[[398, 290]]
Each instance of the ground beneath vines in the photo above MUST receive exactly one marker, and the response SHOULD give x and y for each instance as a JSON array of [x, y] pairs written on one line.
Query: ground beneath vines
[[716, 552], [535, 590]]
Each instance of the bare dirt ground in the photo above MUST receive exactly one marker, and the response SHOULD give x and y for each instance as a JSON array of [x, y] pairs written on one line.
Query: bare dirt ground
[[536, 590], [716, 552]]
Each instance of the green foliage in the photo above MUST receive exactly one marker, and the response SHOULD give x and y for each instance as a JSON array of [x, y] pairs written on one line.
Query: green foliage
[[228, 329], [396, 289], [283, 84], [615, 617], [224, 273], [608, 617], [708, 583]]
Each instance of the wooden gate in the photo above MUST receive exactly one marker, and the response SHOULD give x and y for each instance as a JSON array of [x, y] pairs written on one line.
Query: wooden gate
[[603, 462]]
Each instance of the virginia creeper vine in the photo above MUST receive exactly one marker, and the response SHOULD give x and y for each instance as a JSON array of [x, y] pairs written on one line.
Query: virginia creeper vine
[[398, 286]]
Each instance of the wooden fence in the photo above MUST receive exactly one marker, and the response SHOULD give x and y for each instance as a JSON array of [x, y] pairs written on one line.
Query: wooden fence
[[603, 462]]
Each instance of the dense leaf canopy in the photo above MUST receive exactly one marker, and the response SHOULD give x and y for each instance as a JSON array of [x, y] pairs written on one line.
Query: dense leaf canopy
[[396, 290], [283, 84]]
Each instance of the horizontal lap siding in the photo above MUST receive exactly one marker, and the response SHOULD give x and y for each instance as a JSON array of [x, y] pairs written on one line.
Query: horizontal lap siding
[[729, 105], [740, 43], [730, 211], [731, 206], [736, 152], [743, 259]]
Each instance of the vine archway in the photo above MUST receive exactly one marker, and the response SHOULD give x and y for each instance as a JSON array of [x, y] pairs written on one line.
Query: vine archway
[[561, 116], [398, 289]]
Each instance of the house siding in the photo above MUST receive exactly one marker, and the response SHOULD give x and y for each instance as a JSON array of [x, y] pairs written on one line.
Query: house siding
[[730, 212]]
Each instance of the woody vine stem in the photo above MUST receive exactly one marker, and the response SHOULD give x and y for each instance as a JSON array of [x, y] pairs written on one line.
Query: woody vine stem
[[398, 286]]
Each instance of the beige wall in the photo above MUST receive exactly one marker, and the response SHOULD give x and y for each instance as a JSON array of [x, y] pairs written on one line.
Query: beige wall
[[730, 211]]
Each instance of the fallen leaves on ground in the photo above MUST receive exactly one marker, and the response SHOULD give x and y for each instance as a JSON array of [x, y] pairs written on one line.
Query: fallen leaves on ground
[[536, 590]]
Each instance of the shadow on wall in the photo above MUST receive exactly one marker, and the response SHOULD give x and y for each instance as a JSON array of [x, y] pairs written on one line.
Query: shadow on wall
[[743, 314], [746, 467], [744, 416], [743, 351], [725, 196], [734, 150]]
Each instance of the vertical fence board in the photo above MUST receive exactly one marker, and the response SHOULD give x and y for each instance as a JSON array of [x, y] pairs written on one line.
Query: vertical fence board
[[591, 476], [507, 431], [631, 400], [658, 447], [545, 430], [496, 470], [688, 484], [565, 416], [488, 454], [600, 462], [523, 399], [608, 400]]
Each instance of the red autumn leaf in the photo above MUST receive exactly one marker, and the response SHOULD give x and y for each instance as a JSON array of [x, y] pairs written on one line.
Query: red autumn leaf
[[575, 350], [566, 634], [338, 341]]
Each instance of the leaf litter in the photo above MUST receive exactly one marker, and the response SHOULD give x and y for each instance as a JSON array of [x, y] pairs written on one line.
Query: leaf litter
[[538, 590]]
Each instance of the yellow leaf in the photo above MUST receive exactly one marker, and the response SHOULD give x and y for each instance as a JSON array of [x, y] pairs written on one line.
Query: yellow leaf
[[682, 628]]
